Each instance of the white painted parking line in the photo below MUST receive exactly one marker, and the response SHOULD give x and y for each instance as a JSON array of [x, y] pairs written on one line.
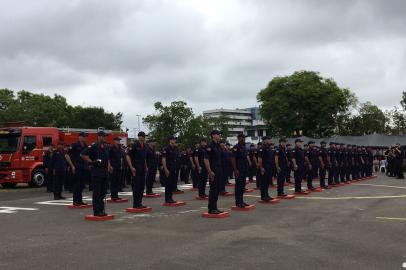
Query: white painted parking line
[[404, 265], [13, 210], [66, 202]]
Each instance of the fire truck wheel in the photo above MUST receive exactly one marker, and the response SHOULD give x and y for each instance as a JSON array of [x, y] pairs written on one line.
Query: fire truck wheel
[[9, 185], [38, 178]]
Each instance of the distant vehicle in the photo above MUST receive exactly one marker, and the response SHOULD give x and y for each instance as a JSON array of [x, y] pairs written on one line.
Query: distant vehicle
[[22, 150]]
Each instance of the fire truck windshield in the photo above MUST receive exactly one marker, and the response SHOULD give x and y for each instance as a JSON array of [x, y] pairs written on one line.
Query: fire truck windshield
[[9, 143]]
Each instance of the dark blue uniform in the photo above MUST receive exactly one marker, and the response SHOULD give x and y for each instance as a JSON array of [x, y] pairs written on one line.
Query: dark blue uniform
[[323, 153], [59, 166], [213, 154], [49, 173], [268, 162], [81, 171], [298, 155], [116, 156], [332, 169], [99, 155], [171, 154], [313, 158], [199, 153], [138, 153], [152, 163], [225, 162], [239, 153], [283, 165]]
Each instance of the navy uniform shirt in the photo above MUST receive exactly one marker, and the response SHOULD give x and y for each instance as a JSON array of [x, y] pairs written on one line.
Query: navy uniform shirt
[[333, 156], [152, 159], [98, 151], [268, 157], [283, 159], [349, 156], [313, 156], [241, 157], [213, 154], [324, 154], [48, 160], [116, 156], [199, 153], [74, 152], [172, 155], [58, 161], [138, 155], [298, 155]]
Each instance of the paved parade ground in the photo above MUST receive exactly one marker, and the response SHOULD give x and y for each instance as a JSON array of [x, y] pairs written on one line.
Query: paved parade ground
[[357, 226]]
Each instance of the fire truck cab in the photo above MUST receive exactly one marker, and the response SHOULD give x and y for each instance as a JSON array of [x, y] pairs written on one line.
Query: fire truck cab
[[22, 151]]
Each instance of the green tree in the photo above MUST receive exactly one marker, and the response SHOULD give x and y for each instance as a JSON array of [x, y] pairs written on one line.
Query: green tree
[[304, 103]]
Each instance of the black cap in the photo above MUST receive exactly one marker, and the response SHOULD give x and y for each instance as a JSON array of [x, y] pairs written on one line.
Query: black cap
[[203, 140], [282, 140], [310, 142], [83, 134], [322, 142], [331, 143], [266, 138], [288, 144], [298, 140], [141, 134], [260, 143], [223, 141], [117, 139], [215, 132], [241, 135], [172, 138], [101, 133]]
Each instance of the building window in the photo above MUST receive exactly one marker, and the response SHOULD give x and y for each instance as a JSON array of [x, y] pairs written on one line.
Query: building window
[[46, 141]]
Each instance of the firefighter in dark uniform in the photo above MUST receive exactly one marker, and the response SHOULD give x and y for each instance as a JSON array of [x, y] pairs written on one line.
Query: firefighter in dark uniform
[[311, 161], [266, 165], [349, 158], [253, 166], [323, 160], [212, 162], [240, 163], [116, 156], [194, 173], [225, 162], [281, 161], [152, 164], [59, 163], [399, 155], [201, 168], [298, 161], [290, 165], [258, 171], [332, 164], [136, 159], [80, 174], [97, 155], [343, 161], [370, 158], [170, 156], [48, 168]]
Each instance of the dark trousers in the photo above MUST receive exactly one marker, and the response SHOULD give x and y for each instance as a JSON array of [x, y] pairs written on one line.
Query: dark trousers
[[115, 183], [195, 178], [336, 175], [281, 181], [59, 179], [355, 174], [49, 180], [348, 173], [309, 177], [214, 191], [185, 174], [288, 173], [258, 179], [138, 185], [170, 185], [240, 183], [99, 184], [298, 179], [78, 184], [322, 175], [223, 183], [151, 175], [252, 172], [342, 173], [203, 183], [399, 169], [265, 181], [331, 173]]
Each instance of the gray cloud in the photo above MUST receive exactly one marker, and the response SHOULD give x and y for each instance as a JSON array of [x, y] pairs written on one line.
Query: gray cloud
[[125, 55]]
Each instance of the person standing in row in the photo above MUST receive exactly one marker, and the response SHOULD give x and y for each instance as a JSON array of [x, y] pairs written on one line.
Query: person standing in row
[[398, 157], [225, 163], [59, 163], [298, 161], [116, 156], [170, 157], [152, 159], [281, 161], [136, 159], [240, 163], [311, 161], [266, 165], [290, 166], [97, 155], [258, 171], [48, 168], [201, 168], [212, 162], [323, 160], [194, 173]]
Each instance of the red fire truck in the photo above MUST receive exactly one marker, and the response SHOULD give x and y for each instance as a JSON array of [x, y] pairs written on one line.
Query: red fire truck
[[22, 149]]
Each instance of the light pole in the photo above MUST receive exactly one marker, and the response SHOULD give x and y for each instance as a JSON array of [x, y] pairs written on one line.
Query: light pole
[[139, 126]]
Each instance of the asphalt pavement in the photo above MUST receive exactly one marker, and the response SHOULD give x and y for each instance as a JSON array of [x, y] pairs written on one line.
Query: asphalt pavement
[[357, 226]]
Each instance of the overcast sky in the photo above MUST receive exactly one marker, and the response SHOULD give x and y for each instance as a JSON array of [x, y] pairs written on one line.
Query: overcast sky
[[125, 55]]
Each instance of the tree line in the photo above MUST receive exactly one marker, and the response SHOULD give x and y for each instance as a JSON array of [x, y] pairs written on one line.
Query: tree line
[[42, 110]]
